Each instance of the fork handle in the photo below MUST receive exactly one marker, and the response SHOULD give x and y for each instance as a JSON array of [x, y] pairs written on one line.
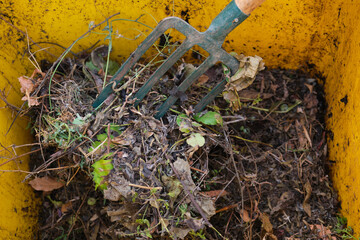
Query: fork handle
[[247, 6], [229, 18]]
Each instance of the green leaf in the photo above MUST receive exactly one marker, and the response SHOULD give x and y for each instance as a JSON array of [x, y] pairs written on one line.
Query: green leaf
[[113, 66], [91, 66], [94, 145], [185, 127], [196, 139], [115, 128], [78, 121], [209, 118], [101, 137], [180, 118], [102, 168]]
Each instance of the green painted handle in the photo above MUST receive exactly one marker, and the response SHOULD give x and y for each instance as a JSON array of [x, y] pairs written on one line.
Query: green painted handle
[[227, 20]]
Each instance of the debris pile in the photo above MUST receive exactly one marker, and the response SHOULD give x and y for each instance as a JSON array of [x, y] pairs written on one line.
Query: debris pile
[[251, 166]]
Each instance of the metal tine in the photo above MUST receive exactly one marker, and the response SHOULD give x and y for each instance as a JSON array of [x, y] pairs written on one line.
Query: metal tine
[[210, 61], [210, 96], [217, 54], [193, 37], [165, 66], [233, 64], [161, 28]]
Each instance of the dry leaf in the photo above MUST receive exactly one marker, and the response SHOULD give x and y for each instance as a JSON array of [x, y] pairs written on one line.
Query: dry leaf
[[306, 205], [207, 205], [300, 134], [244, 77], [32, 101], [27, 85], [117, 189], [266, 224], [66, 207], [310, 87], [245, 215], [202, 79], [183, 168], [180, 232], [45, 184], [323, 232], [250, 95], [215, 193]]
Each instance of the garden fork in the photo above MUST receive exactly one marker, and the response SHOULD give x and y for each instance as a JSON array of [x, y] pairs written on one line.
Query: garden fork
[[211, 41]]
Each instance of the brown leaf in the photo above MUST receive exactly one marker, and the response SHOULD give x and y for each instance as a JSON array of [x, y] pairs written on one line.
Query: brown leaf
[[180, 232], [306, 205], [45, 184], [32, 101], [202, 79], [323, 232], [27, 85], [250, 95], [306, 133], [310, 87], [66, 207], [266, 224], [245, 215], [310, 100], [215, 193], [300, 134]]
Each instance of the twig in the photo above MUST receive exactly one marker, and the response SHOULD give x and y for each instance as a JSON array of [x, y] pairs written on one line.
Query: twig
[[251, 141], [145, 187], [77, 213], [22, 32], [56, 44], [22, 155], [3, 98], [230, 151]]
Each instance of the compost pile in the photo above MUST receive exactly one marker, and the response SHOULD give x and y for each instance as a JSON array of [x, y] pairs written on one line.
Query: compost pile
[[252, 165]]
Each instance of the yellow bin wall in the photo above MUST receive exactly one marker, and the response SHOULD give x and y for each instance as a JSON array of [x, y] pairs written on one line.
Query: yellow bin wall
[[288, 34]]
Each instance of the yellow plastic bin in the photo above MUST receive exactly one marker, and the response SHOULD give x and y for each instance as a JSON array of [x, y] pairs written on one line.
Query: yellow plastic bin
[[324, 35]]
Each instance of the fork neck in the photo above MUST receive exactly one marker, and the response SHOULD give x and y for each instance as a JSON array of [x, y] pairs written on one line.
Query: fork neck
[[227, 20]]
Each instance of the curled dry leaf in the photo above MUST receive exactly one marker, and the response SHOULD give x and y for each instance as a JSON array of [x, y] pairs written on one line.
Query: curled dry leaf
[[245, 76], [207, 205], [46, 184], [27, 85]]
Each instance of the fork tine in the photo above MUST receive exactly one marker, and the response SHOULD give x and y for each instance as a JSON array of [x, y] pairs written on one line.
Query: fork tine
[[161, 28], [165, 66], [210, 96], [185, 85]]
